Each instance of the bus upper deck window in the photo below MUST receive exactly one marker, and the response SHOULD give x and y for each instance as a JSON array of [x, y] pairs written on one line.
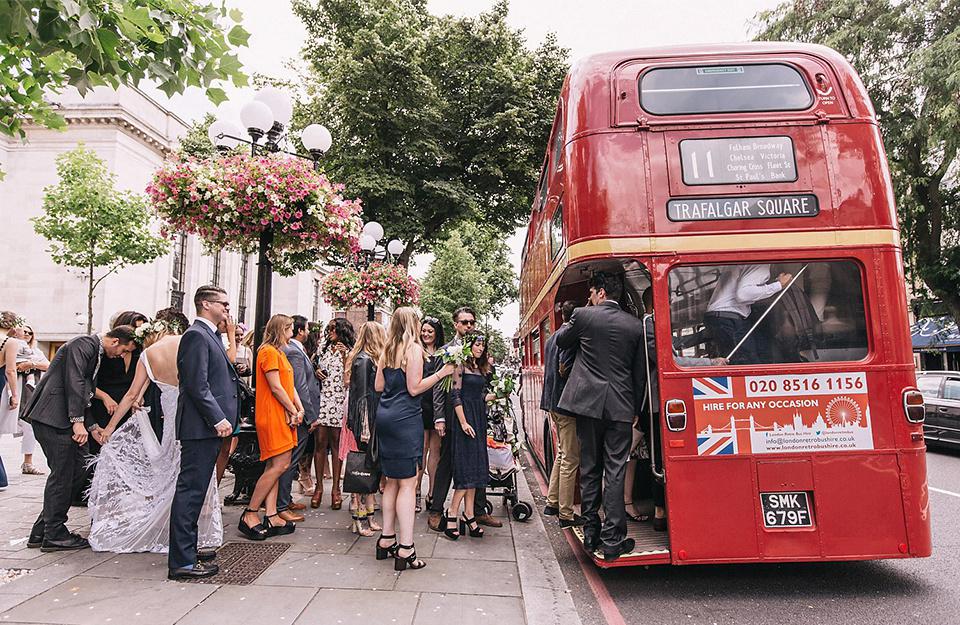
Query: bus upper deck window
[[724, 89]]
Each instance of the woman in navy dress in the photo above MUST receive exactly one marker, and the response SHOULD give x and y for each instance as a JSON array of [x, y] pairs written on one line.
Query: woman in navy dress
[[469, 437], [400, 433]]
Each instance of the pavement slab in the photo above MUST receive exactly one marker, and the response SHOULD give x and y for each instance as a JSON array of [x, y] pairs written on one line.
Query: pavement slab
[[315, 540], [466, 548], [356, 607], [469, 577], [469, 610], [261, 605], [329, 571], [87, 600]]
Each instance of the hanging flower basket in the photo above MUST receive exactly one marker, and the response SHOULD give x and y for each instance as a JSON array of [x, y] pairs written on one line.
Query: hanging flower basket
[[228, 202], [349, 288]]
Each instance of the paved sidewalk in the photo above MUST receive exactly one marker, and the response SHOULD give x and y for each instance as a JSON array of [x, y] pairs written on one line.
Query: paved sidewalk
[[328, 574]]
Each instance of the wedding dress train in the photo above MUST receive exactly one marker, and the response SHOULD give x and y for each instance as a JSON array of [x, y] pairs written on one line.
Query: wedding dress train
[[134, 483]]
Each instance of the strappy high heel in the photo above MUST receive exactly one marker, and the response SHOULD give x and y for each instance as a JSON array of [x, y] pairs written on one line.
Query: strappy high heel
[[385, 552], [452, 534], [400, 563], [465, 524], [359, 528], [317, 495], [257, 532], [288, 527], [371, 522]]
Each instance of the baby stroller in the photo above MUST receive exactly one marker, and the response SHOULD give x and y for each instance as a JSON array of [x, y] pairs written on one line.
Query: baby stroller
[[503, 453]]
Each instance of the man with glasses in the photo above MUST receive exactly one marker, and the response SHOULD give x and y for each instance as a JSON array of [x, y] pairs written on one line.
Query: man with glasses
[[207, 411], [464, 321]]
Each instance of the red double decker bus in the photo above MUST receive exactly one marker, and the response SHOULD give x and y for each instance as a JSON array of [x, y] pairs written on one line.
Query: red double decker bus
[[687, 170]]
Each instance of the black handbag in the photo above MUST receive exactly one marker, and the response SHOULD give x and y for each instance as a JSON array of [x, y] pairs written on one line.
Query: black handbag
[[362, 475]]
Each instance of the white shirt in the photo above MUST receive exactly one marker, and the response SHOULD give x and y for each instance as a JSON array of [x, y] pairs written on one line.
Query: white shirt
[[741, 285]]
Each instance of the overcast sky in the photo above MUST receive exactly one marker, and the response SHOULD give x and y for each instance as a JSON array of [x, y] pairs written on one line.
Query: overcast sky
[[585, 27]]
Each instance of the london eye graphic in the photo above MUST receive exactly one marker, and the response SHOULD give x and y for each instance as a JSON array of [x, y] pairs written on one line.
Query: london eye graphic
[[843, 411]]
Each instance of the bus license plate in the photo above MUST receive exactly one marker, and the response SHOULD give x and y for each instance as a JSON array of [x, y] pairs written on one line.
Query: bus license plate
[[786, 509]]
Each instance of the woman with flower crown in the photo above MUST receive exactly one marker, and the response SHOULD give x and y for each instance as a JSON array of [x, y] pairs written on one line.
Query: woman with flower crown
[[136, 475]]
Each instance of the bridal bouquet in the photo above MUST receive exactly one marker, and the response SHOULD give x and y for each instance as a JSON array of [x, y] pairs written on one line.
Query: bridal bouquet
[[453, 355]]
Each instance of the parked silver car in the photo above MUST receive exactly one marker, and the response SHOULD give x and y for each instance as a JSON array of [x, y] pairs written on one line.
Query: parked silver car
[[941, 396]]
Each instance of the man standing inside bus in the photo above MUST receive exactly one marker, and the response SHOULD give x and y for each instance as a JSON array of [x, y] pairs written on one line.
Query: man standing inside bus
[[738, 287], [563, 475], [605, 390]]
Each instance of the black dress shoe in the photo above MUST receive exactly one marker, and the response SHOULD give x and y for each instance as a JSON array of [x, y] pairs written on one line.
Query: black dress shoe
[[590, 544], [35, 541], [626, 546], [551, 510], [198, 570], [575, 521], [206, 555], [72, 543]]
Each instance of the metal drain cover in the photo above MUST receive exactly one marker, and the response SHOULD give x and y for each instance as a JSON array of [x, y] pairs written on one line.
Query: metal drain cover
[[242, 563]]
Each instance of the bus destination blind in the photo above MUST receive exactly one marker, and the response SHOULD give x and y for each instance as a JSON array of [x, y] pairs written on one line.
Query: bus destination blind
[[738, 160], [743, 207]]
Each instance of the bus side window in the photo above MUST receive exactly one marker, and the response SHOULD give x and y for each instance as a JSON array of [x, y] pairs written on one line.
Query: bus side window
[[818, 317]]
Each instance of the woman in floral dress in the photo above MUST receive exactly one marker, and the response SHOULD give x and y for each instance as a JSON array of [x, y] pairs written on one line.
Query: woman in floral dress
[[333, 396]]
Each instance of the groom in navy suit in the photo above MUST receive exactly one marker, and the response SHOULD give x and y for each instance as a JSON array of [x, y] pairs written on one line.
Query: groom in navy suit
[[207, 411]]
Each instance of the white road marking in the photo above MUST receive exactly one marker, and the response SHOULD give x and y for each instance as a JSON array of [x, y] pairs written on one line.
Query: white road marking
[[945, 492]]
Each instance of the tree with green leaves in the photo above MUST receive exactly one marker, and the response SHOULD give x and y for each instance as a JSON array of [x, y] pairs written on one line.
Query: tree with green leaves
[[437, 121], [453, 280], [91, 225], [908, 54], [46, 45], [492, 257]]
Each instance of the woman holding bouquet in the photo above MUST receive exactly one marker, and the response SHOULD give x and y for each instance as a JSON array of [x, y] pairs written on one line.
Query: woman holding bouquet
[[468, 444], [399, 427]]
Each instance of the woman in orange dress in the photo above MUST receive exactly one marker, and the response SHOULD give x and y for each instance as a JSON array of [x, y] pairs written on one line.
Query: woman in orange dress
[[279, 412]]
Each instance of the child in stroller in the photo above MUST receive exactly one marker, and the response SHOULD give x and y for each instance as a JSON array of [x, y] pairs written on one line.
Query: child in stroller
[[503, 453]]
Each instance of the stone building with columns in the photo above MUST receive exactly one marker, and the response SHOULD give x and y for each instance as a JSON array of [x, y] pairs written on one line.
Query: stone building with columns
[[132, 133]]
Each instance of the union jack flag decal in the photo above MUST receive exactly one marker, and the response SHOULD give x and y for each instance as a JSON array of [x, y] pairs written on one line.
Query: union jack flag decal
[[716, 444], [712, 388]]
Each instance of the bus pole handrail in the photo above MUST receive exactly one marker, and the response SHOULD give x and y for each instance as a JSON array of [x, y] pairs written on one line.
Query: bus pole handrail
[[783, 292], [660, 475]]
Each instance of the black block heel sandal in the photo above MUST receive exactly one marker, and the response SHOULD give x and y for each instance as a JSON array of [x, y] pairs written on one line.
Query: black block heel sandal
[[400, 563], [385, 552], [257, 532], [465, 524]]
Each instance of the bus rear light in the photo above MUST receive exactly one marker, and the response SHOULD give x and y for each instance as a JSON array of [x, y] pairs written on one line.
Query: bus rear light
[[913, 406], [676, 413]]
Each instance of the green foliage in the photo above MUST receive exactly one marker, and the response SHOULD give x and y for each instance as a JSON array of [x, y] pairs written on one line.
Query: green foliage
[[436, 120], [48, 44], [496, 344], [195, 142], [453, 280], [908, 54], [91, 225], [492, 258]]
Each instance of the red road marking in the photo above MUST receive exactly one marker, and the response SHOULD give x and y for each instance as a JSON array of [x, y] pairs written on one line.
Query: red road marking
[[610, 611]]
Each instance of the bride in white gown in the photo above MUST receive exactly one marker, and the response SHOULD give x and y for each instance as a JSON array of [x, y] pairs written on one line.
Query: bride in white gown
[[136, 475]]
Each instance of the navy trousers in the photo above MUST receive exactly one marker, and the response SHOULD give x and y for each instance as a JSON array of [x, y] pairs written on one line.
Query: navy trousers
[[198, 459]]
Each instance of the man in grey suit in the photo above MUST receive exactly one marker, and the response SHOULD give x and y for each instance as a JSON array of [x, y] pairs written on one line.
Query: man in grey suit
[[308, 388], [563, 475], [62, 424], [605, 389]]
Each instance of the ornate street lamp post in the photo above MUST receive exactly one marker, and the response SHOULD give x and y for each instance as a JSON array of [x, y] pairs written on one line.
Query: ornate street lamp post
[[372, 252], [267, 115]]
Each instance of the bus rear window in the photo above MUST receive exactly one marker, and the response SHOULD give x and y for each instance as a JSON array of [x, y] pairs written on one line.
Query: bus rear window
[[724, 89], [741, 313]]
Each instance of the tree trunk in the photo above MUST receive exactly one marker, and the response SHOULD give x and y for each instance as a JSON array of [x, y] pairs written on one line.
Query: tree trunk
[[90, 300]]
